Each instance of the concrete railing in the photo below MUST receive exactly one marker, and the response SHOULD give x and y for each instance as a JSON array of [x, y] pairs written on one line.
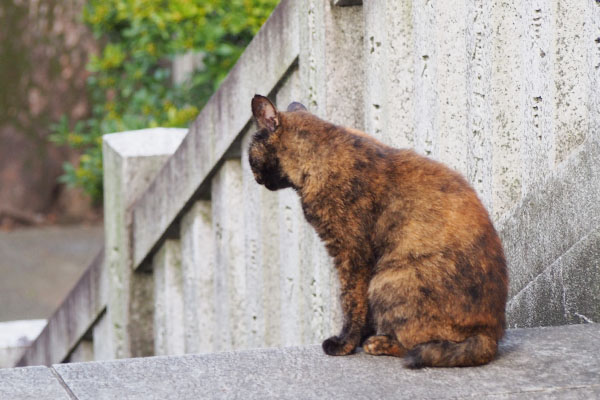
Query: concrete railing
[[200, 258], [78, 330], [15, 337]]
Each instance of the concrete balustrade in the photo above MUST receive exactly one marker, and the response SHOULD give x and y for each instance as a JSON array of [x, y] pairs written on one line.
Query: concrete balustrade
[[230, 272], [262, 258], [199, 258], [131, 160], [198, 268], [168, 299], [15, 337]]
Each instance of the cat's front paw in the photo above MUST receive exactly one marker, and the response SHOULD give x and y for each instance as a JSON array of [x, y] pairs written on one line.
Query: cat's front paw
[[336, 346]]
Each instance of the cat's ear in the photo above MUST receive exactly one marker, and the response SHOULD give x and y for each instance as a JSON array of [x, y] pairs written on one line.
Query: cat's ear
[[265, 113], [295, 106]]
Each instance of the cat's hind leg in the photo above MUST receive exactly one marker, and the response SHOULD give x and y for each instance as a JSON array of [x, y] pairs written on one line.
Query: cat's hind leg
[[383, 345]]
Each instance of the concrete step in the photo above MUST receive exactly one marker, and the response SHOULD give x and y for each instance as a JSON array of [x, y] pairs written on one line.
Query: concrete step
[[539, 363]]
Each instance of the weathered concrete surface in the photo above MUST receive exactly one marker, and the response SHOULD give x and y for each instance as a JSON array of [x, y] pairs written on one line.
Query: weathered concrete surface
[[230, 272], [567, 291], [262, 258], [131, 161], [198, 268], [32, 383], [168, 300], [389, 102], [84, 351], [102, 348], [558, 362]]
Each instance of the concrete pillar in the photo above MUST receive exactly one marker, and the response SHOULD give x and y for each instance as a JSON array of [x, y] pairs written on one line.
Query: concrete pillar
[[261, 246], [290, 224], [451, 63], [331, 61], [593, 51], [198, 266], [103, 349], [507, 105], [230, 273], [168, 300], [331, 67], [315, 323], [571, 74], [389, 103], [451, 81], [425, 72], [537, 142], [83, 352], [131, 160], [291, 283], [479, 72]]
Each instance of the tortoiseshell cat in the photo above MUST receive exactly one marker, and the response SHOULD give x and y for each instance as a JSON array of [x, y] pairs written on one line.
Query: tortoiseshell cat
[[421, 267]]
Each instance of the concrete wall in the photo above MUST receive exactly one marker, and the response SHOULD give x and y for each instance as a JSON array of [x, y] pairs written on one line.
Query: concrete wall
[[508, 94]]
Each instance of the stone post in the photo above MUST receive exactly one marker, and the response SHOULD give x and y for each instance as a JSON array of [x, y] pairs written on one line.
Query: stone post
[[198, 265], [331, 57], [230, 274], [261, 247], [131, 160], [168, 300], [83, 352]]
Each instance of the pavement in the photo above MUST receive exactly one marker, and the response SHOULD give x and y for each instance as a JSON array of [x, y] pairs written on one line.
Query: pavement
[[538, 363], [39, 266]]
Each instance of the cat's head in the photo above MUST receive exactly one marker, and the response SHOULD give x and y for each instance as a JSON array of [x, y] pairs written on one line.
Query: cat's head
[[265, 147]]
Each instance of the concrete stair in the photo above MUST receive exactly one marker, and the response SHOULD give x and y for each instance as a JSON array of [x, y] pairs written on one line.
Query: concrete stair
[[536, 363]]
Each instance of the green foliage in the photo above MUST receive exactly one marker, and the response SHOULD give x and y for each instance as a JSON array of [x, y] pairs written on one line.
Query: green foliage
[[130, 84]]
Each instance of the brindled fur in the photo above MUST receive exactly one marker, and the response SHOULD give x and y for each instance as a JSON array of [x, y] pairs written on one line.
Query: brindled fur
[[421, 268]]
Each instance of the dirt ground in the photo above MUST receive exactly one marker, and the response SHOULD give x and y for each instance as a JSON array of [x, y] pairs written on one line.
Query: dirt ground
[[39, 266]]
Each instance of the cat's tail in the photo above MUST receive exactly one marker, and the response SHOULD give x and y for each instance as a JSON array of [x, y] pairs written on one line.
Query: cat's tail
[[475, 350]]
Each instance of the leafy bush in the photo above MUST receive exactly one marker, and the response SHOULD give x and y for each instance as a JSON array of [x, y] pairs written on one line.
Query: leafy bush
[[130, 82]]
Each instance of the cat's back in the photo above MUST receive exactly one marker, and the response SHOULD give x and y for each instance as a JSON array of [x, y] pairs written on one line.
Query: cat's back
[[423, 197], [428, 204], [405, 169]]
